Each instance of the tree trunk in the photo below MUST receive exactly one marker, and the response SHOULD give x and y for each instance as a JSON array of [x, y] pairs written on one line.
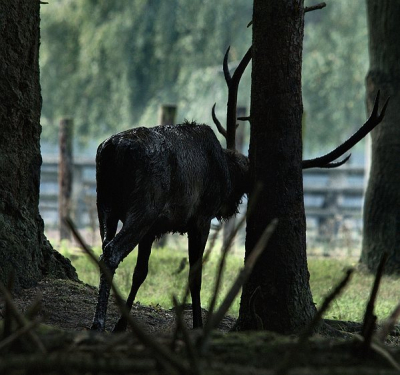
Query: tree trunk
[[382, 199], [24, 250], [277, 296]]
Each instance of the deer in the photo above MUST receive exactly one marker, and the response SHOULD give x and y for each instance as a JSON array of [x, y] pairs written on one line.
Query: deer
[[177, 178]]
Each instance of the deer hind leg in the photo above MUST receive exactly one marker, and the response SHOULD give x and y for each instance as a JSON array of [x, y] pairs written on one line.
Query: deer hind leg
[[114, 252], [197, 241], [139, 275]]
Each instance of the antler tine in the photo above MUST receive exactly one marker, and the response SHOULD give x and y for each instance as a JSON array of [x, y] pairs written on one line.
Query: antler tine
[[217, 122], [227, 74], [371, 123], [233, 88], [337, 163], [237, 75]]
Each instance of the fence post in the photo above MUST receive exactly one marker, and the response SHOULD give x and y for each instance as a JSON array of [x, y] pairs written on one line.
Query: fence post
[[229, 225], [65, 175], [166, 116]]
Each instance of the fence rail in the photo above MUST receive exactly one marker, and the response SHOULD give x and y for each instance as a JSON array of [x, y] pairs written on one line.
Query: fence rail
[[333, 197]]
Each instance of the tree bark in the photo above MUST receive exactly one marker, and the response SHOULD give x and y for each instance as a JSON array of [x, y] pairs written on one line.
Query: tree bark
[[24, 250], [382, 199], [277, 296]]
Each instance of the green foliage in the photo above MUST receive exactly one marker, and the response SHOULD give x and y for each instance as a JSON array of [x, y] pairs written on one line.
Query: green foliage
[[334, 68], [110, 64], [163, 281]]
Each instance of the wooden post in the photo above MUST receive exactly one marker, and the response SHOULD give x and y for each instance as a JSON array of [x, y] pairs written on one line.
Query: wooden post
[[229, 226], [166, 116], [65, 168]]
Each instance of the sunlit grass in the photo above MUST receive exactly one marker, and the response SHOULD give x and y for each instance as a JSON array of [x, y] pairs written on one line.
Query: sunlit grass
[[163, 281]]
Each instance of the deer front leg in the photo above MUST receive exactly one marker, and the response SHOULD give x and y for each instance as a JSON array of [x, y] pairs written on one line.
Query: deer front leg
[[139, 275], [113, 253], [197, 241], [99, 319]]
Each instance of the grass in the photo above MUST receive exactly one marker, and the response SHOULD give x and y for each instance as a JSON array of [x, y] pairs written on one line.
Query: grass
[[163, 281]]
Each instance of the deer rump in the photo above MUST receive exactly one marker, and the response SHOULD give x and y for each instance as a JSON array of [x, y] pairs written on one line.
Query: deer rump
[[163, 179]]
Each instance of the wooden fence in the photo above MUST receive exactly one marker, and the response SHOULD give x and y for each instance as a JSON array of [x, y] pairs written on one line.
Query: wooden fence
[[333, 197]]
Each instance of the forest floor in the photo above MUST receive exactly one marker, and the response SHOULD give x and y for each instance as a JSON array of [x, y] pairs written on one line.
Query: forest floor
[[63, 343]]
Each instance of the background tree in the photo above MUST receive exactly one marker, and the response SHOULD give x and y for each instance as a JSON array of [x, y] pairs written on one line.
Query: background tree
[[111, 64], [382, 198], [23, 246], [279, 284]]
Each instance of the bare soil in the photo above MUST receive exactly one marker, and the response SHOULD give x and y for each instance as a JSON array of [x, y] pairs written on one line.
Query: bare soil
[[70, 306], [71, 348]]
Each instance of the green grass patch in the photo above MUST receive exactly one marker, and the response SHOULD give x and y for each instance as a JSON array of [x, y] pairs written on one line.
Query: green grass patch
[[163, 281]]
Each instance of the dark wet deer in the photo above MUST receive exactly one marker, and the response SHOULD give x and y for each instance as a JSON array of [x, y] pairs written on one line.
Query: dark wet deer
[[176, 179]]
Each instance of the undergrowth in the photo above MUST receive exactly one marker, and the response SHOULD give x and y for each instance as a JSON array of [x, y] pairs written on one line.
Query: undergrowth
[[166, 277]]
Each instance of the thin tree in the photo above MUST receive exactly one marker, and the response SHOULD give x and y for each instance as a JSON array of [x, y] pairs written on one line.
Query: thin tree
[[24, 250], [382, 198], [277, 295]]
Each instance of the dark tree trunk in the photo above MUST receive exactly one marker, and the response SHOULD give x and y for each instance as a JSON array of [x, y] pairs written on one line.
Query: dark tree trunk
[[283, 301], [382, 199], [23, 246]]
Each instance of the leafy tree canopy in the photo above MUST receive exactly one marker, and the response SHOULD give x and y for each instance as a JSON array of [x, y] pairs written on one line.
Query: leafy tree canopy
[[110, 64]]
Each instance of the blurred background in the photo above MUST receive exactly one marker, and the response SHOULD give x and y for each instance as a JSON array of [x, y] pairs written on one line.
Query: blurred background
[[109, 66]]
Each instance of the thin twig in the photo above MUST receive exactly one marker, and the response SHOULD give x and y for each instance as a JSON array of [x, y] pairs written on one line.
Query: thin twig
[[20, 332], [21, 320], [34, 308], [225, 250], [389, 324], [242, 277], [369, 317], [314, 7], [325, 305], [160, 351], [195, 268], [222, 262], [379, 349], [291, 357], [191, 350], [385, 354]]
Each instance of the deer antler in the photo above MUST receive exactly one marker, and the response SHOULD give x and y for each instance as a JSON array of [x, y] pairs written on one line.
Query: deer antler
[[325, 161], [233, 85]]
